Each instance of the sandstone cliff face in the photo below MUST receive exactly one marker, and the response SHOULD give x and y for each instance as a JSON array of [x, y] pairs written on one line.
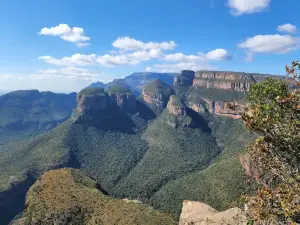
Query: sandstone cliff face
[[175, 106], [177, 114], [223, 80], [221, 108], [101, 101], [125, 101], [156, 99], [198, 213], [157, 94], [91, 102], [185, 77]]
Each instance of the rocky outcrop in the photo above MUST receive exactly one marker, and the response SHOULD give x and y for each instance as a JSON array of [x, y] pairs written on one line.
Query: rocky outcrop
[[177, 113], [88, 102], [157, 94], [125, 101], [176, 107], [185, 78], [220, 108], [232, 81], [198, 213], [96, 99]]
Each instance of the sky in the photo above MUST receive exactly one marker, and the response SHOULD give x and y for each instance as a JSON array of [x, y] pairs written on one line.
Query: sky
[[64, 45]]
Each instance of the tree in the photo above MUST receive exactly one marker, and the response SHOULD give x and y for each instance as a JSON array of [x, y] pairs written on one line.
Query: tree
[[273, 113]]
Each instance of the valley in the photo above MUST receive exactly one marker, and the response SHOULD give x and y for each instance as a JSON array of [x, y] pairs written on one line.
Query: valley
[[174, 142]]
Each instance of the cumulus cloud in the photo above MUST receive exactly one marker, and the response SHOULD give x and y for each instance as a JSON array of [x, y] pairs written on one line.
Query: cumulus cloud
[[127, 43], [75, 34], [74, 60], [129, 51], [218, 54], [270, 44], [278, 44], [288, 28], [239, 7]]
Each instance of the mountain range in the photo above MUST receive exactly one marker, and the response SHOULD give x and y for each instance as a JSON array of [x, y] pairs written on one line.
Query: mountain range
[[178, 140]]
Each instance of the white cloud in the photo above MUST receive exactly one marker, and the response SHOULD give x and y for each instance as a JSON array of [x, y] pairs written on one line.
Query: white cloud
[[218, 54], [80, 45], [67, 72], [270, 44], [289, 28], [149, 69], [180, 57], [133, 58], [127, 43], [74, 60], [239, 7], [66, 79], [176, 67], [277, 44], [75, 34]]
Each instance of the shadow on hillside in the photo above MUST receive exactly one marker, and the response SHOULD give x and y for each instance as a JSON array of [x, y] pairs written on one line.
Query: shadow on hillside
[[199, 121], [12, 201], [144, 111], [112, 119]]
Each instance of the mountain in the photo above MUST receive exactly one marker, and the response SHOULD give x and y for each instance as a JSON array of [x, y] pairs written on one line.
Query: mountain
[[173, 143], [137, 81], [30, 112], [68, 196]]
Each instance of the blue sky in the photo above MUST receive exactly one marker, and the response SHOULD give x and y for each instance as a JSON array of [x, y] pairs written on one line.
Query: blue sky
[[63, 46]]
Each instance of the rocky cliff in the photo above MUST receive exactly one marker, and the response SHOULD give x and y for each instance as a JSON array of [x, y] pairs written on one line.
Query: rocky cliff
[[233, 81], [177, 113], [222, 108], [111, 109], [223, 80], [198, 213], [185, 77], [176, 107], [157, 94]]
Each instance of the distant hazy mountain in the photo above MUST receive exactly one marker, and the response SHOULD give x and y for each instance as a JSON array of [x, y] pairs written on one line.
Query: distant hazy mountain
[[138, 80], [25, 113]]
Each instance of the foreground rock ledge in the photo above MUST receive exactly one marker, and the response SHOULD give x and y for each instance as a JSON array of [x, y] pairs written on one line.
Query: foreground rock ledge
[[197, 213]]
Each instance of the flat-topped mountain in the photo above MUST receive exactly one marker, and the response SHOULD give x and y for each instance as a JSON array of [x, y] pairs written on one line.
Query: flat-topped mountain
[[68, 196], [26, 113], [233, 81]]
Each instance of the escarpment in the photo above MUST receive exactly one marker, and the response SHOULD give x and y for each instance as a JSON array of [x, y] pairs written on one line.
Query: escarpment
[[232, 81], [223, 80]]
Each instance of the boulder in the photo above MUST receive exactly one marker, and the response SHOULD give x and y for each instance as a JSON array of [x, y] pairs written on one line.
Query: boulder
[[197, 213]]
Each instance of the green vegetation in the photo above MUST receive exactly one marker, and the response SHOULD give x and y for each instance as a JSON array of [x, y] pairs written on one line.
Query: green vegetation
[[196, 95], [67, 196], [220, 184], [27, 113], [273, 113], [172, 153], [92, 91], [159, 87], [115, 89], [150, 161]]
